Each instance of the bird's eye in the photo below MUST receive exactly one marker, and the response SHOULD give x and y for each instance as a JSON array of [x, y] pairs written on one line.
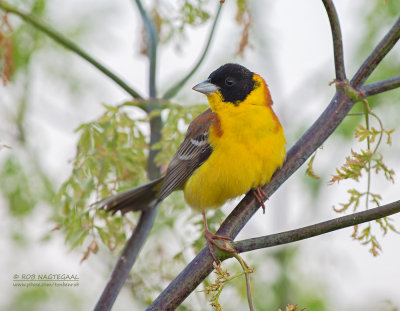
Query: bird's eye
[[229, 81]]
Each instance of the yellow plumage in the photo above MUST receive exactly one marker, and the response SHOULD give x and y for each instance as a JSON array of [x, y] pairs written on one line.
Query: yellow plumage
[[248, 146]]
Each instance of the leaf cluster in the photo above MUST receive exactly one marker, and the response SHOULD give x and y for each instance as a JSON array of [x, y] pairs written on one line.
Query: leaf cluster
[[111, 157], [366, 161], [223, 277]]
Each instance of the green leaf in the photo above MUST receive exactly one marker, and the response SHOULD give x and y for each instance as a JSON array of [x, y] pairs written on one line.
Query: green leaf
[[310, 171]]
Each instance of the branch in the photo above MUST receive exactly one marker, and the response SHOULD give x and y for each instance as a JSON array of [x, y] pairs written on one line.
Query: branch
[[131, 251], [381, 86], [126, 260], [152, 40], [337, 40], [155, 122], [178, 86], [317, 229], [201, 265], [56, 36], [377, 55]]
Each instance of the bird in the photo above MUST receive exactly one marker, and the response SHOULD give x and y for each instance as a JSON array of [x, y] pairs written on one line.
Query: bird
[[233, 147]]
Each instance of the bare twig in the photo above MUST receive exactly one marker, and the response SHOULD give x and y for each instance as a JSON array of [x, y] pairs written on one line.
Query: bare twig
[[56, 36], [381, 86], [377, 55], [178, 86], [152, 40], [201, 266], [337, 40], [317, 229]]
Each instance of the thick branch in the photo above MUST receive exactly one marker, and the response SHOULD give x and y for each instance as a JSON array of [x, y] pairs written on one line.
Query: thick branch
[[317, 229], [126, 260], [337, 40], [178, 86], [56, 36], [381, 86], [322, 128]]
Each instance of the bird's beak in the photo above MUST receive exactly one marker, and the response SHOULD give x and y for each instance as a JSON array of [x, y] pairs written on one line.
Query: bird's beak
[[206, 87]]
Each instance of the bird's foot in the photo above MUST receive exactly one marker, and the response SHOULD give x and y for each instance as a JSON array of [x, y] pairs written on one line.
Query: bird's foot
[[260, 194], [211, 240]]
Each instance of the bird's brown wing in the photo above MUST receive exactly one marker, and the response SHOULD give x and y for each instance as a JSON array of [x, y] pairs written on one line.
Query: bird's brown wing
[[194, 150]]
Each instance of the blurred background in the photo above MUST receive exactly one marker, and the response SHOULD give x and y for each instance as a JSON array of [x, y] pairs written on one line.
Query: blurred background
[[57, 114]]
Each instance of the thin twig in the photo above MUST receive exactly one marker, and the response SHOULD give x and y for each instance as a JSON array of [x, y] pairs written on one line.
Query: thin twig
[[380, 51], [155, 122], [337, 40], [126, 260], [152, 40], [367, 111], [246, 271], [317, 229], [56, 36], [195, 272], [381, 86], [171, 92]]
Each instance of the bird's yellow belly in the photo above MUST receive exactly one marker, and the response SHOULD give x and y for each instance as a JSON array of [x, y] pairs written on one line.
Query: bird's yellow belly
[[235, 166]]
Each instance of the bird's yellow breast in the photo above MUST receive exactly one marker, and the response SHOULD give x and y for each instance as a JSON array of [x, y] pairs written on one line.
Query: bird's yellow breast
[[248, 146]]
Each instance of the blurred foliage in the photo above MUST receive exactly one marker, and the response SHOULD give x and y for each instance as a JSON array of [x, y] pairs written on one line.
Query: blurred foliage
[[24, 185], [25, 39], [44, 298], [15, 186], [30, 299], [172, 18], [111, 157], [245, 20]]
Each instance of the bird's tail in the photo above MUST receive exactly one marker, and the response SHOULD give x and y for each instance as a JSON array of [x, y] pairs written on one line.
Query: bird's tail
[[135, 199]]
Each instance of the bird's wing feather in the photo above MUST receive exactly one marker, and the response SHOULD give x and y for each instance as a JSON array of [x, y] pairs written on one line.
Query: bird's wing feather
[[194, 150]]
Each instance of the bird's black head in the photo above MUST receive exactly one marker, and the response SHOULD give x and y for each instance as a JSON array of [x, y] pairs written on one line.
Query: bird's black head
[[235, 82]]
